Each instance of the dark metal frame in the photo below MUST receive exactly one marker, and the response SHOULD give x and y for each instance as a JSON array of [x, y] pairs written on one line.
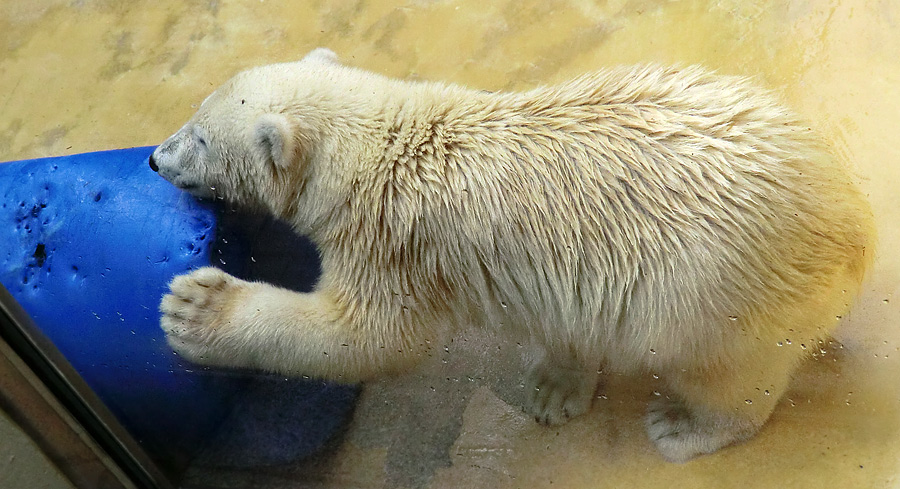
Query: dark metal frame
[[44, 394]]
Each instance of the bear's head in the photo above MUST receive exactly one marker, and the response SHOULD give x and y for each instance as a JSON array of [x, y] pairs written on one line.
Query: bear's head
[[243, 144]]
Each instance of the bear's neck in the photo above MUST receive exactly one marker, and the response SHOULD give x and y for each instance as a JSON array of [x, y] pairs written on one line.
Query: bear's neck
[[365, 137]]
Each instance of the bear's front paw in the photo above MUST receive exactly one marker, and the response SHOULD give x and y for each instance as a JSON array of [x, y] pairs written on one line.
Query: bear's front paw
[[196, 316]]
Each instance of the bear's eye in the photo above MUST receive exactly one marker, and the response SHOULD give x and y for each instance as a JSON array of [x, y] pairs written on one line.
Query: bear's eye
[[199, 137]]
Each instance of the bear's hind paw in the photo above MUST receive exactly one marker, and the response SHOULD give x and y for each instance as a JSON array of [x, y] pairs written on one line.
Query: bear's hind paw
[[554, 394], [680, 434]]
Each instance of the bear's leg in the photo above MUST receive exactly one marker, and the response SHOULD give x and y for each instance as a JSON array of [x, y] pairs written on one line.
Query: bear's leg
[[213, 318], [557, 388], [711, 409]]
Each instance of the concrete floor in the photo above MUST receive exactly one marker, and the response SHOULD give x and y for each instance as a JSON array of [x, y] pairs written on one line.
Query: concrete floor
[[22, 465], [78, 76]]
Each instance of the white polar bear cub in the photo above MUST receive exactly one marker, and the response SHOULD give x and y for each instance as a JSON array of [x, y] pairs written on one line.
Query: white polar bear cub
[[639, 219]]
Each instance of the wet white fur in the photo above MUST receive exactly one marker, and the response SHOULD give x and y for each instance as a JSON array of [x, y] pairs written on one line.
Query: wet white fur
[[637, 219]]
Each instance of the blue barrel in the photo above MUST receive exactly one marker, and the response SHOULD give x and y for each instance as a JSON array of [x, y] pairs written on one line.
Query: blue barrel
[[88, 244]]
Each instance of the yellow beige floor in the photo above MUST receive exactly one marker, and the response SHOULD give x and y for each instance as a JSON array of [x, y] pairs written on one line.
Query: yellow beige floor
[[94, 75]]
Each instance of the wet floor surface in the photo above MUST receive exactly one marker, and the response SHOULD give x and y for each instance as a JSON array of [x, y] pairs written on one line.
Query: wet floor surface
[[85, 76]]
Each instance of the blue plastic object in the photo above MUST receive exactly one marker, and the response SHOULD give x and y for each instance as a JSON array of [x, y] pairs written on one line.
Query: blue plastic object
[[89, 243]]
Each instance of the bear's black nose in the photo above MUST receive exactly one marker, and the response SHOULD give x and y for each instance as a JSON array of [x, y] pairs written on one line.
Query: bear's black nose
[[153, 164]]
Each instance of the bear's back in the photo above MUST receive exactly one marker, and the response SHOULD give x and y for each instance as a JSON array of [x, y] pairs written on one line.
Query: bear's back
[[646, 175]]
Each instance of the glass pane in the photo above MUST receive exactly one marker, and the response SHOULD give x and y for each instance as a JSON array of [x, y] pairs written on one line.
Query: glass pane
[[93, 239]]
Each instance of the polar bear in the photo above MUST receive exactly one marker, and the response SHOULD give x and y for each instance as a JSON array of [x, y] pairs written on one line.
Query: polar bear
[[639, 219]]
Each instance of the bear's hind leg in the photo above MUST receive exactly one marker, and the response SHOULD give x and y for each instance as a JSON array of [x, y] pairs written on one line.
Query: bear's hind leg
[[711, 409], [558, 389]]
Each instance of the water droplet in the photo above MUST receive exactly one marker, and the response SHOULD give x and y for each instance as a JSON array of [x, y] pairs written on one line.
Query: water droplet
[[766, 392], [655, 376], [802, 346], [602, 396], [253, 259], [447, 349], [503, 305], [885, 301], [733, 318], [787, 341], [780, 343], [652, 351], [748, 401], [656, 393], [837, 318]]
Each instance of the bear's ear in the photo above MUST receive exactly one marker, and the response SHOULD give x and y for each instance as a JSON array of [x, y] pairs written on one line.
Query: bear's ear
[[274, 138], [322, 54]]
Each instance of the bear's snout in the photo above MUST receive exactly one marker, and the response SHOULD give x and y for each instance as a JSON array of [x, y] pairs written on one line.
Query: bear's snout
[[153, 165]]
